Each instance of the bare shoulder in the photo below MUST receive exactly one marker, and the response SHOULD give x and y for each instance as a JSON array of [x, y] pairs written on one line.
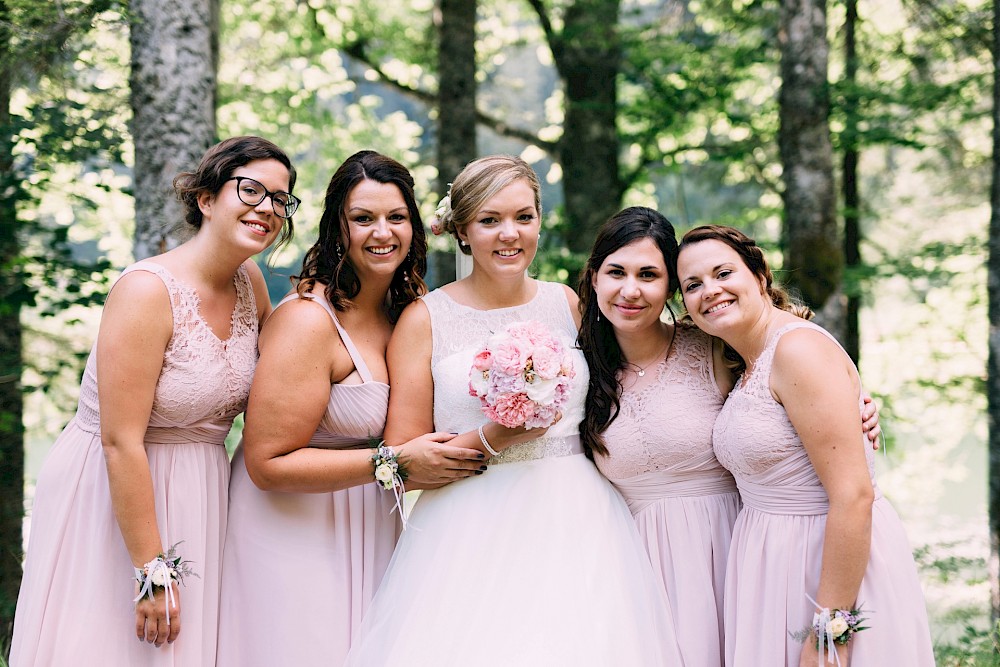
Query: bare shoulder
[[807, 356], [415, 319], [140, 289], [574, 304], [571, 295], [301, 320]]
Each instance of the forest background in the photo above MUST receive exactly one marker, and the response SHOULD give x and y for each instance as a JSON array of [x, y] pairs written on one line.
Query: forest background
[[852, 138]]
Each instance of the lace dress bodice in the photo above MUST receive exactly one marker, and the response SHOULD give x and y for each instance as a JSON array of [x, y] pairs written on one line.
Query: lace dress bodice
[[458, 332], [753, 433], [667, 424], [204, 381]]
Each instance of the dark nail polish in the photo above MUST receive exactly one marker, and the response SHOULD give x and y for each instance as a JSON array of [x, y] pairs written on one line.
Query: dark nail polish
[[481, 456], [483, 468], [479, 472]]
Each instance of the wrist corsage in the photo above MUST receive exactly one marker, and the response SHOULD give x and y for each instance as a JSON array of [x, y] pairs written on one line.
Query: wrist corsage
[[159, 573], [390, 473], [831, 627]]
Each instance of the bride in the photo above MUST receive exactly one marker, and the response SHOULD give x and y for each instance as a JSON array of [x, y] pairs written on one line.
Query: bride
[[537, 561]]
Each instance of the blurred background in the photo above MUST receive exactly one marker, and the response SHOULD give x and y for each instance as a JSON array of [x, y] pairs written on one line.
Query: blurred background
[[851, 138]]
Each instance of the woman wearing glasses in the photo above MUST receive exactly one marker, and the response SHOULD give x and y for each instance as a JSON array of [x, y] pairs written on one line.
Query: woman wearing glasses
[[133, 494], [310, 533]]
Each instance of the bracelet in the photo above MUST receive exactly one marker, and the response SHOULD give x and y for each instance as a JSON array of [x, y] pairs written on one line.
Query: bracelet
[[486, 443], [390, 473], [161, 572]]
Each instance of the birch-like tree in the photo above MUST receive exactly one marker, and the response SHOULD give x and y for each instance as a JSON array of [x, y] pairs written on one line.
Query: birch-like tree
[[173, 97]]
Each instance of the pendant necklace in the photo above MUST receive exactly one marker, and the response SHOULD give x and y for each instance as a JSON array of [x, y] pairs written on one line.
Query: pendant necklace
[[663, 355]]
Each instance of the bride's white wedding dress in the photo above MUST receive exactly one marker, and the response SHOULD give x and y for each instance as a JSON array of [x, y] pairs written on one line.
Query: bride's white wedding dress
[[535, 562]]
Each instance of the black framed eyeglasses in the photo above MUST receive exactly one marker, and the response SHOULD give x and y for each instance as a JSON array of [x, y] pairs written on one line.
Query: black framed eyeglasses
[[252, 192]]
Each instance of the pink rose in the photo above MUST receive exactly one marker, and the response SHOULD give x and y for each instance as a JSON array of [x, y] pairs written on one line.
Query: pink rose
[[510, 357], [546, 362], [482, 361]]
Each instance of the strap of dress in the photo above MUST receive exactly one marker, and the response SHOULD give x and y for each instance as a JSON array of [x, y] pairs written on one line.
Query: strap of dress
[[359, 361]]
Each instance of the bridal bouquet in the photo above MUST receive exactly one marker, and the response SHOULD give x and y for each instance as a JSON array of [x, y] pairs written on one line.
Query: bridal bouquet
[[521, 376]]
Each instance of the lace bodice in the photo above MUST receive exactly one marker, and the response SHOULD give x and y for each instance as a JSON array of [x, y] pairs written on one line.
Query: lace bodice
[[204, 380], [667, 424], [753, 433], [459, 331]]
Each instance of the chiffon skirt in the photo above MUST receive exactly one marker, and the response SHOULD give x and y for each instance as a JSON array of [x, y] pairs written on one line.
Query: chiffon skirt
[[532, 563], [775, 562], [75, 604], [300, 570], [688, 540]]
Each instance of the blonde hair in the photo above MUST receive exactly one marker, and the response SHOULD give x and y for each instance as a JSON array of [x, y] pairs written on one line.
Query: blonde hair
[[479, 182]]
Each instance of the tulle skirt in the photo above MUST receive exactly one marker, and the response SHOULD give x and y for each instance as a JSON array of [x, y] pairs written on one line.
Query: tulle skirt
[[532, 563]]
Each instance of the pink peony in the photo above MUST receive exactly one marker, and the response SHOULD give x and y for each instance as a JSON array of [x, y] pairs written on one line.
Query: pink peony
[[512, 410], [482, 361], [510, 356]]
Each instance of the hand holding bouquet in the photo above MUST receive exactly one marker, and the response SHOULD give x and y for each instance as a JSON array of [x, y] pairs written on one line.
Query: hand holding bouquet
[[522, 375]]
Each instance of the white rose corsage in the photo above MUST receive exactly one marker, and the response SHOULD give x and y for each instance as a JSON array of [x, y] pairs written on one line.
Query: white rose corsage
[[390, 473], [160, 573], [831, 627]]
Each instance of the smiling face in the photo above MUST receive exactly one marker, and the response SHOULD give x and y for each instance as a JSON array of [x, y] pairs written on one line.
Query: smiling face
[[720, 292], [503, 235], [252, 227], [378, 226], [631, 286]]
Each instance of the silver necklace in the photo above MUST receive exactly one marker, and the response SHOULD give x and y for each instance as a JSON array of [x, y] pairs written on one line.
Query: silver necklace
[[663, 355]]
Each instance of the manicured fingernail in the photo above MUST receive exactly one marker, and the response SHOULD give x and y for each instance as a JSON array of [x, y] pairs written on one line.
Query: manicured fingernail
[[480, 472], [483, 468], [481, 456]]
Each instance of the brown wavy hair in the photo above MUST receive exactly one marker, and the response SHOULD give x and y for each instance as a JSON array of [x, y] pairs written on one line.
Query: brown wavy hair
[[597, 336], [217, 167], [324, 264], [753, 257]]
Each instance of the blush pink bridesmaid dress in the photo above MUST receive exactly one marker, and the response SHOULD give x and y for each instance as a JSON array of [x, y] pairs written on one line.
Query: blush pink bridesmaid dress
[[777, 550], [75, 605], [301, 569]]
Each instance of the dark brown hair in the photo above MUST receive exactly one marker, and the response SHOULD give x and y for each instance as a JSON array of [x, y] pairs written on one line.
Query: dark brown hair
[[217, 167], [753, 257], [324, 264], [597, 336]]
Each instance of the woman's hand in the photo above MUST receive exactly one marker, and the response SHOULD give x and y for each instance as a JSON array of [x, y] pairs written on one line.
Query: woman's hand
[[869, 421], [151, 617], [810, 654], [431, 462]]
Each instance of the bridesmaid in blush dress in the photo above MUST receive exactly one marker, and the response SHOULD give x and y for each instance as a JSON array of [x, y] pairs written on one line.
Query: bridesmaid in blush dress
[[142, 466], [310, 533], [815, 533], [655, 391]]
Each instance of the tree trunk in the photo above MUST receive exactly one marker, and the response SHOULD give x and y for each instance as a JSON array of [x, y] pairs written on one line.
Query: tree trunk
[[173, 91], [456, 126], [993, 363], [11, 401], [814, 258], [852, 199], [588, 56]]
